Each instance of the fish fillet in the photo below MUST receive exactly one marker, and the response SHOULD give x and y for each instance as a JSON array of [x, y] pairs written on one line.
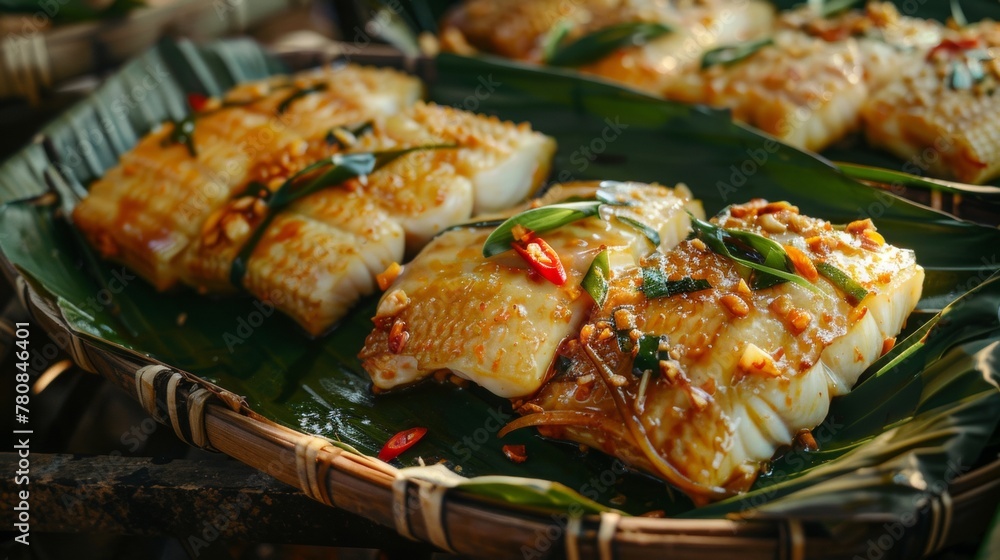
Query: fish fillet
[[943, 116], [512, 321], [338, 95], [742, 372], [519, 30], [803, 90]]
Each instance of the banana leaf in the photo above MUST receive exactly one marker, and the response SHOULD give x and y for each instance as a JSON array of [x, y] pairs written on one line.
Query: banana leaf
[[934, 407]]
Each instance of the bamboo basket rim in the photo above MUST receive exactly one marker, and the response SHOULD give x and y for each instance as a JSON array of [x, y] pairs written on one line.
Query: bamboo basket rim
[[211, 417]]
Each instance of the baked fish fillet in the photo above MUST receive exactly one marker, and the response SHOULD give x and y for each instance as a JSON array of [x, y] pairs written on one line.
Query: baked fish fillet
[[520, 30], [943, 116], [803, 90], [497, 165], [325, 253], [493, 320], [145, 211], [183, 212], [736, 372], [311, 102]]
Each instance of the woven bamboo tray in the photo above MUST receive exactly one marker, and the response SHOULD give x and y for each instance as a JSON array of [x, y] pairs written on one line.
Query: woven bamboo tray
[[420, 504]]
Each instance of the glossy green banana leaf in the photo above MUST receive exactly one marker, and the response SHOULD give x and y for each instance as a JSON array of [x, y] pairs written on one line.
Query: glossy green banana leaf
[[947, 383]]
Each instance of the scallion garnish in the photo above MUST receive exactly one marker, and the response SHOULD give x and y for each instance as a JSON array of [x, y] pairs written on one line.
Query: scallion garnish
[[656, 285], [625, 343], [731, 54], [827, 8], [959, 76], [854, 291], [336, 170], [601, 43], [298, 94], [183, 133], [651, 234], [562, 364], [595, 282], [611, 193], [554, 38], [538, 220], [763, 255]]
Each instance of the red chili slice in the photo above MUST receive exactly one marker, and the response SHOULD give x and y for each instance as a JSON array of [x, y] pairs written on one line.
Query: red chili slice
[[400, 442], [197, 101], [542, 258]]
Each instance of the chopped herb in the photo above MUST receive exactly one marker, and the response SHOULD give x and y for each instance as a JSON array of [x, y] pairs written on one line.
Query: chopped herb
[[610, 193], [731, 54], [603, 42], [651, 234], [339, 168], [554, 38], [625, 343], [298, 94], [766, 257], [854, 291], [595, 282], [480, 224], [562, 364], [968, 70], [623, 332], [538, 220], [649, 354], [183, 133], [827, 8], [655, 284]]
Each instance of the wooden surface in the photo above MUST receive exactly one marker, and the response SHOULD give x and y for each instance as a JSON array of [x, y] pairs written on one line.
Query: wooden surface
[[200, 502]]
